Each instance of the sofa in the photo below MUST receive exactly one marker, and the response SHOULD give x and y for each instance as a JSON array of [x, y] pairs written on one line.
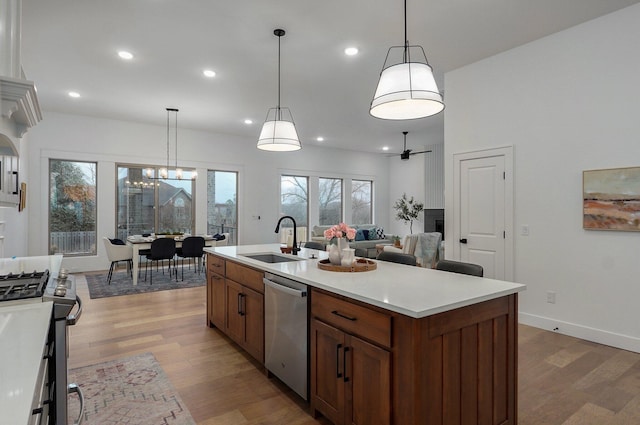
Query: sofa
[[367, 237]]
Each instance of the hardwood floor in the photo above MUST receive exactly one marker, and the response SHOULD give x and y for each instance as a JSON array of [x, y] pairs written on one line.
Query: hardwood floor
[[562, 380]]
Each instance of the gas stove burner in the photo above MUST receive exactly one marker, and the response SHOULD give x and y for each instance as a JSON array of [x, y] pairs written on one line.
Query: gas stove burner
[[23, 285]]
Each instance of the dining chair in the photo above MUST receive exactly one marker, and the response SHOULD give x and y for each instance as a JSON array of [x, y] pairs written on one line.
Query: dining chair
[[117, 251], [397, 257], [161, 249], [192, 247], [314, 245], [460, 267]]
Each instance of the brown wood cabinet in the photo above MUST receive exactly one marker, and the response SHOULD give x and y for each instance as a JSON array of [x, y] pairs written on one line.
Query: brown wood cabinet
[[370, 365], [235, 303]]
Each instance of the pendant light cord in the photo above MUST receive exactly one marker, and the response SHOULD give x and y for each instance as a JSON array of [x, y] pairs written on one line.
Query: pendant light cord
[[406, 38], [176, 121], [168, 135], [278, 106]]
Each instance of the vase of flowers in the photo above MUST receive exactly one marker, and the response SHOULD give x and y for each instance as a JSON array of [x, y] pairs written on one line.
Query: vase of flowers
[[339, 237]]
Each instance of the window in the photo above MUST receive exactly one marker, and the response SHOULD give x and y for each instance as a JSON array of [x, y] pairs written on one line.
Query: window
[[72, 207], [147, 205], [294, 199], [330, 201], [361, 202], [222, 207]]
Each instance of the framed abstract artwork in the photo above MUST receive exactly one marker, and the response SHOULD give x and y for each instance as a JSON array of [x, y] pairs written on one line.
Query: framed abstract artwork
[[611, 199]]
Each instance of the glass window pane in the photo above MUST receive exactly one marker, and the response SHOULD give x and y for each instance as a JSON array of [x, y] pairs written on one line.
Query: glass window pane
[[146, 204], [294, 199], [175, 203], [72, 207], [136, 199], [361, 202], [330, 201], [222, 208]]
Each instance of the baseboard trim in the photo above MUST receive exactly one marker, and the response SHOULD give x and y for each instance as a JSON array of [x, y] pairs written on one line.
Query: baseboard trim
[[624, 342]]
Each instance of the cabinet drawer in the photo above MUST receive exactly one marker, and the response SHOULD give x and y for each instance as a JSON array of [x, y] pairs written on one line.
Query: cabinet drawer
[[249, 277], [215, 264], [352, 318]]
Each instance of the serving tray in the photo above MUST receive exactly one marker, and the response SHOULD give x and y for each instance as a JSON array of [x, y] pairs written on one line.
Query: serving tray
[[360, 265]]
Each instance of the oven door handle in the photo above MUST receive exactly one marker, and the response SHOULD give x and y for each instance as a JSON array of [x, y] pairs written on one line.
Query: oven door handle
[[74, 388], [73, 318]]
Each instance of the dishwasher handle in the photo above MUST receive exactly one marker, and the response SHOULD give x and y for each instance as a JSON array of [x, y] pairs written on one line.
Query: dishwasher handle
[[300, 293]]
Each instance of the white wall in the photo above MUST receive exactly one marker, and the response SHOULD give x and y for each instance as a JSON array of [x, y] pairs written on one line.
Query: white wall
[[421, 177], [567, 103], [110, 142]]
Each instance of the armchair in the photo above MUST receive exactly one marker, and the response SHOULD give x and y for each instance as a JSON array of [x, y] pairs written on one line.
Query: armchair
[[424, 246]]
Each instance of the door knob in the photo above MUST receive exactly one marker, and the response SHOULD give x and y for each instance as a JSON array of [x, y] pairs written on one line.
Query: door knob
[[463, 240]]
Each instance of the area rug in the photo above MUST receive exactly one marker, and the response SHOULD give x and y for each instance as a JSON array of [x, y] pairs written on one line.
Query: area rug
[[122, 284], [133, 391]]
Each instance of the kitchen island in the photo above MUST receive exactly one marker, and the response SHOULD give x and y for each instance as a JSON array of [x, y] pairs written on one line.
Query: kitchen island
[[397, 345]]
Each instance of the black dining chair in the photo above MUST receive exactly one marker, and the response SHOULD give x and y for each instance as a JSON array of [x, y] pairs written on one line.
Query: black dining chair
[[460, 267], [161, 249], [397, 257], [315, 245], [192, 247]]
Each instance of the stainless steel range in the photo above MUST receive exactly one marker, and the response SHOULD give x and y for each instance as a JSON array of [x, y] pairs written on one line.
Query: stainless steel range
[[41, 286]]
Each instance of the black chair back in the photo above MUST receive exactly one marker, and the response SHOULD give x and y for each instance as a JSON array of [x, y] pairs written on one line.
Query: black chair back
[[192, 247], [460, 267], [162, 249], [314, 245], [396, 257]]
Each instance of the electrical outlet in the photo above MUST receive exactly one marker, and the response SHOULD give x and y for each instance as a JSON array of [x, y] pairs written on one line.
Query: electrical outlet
[[524, 230], [551, 297]]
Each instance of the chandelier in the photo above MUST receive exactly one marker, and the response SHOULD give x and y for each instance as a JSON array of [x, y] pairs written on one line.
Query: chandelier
[[164, 172]]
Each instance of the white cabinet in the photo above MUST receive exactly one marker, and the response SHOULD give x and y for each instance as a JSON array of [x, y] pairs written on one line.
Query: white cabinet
[[9, 181]]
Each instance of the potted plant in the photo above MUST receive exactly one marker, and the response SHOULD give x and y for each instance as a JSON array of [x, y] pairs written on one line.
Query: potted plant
[[408, 210], [396, 240]]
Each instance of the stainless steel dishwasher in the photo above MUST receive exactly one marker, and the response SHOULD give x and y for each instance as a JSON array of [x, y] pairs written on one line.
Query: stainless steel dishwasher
[[286, 331]]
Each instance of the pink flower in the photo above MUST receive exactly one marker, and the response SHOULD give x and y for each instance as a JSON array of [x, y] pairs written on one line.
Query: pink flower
[[339, 231]]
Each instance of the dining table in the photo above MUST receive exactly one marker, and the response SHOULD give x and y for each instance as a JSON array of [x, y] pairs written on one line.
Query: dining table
[[138, 243]]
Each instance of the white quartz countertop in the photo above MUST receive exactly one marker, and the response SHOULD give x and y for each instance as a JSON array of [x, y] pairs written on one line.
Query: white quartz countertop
[[23, 334], [409, 290]]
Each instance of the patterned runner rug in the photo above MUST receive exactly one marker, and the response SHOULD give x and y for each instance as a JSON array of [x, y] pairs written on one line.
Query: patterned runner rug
[[122, 284], [132, 391]]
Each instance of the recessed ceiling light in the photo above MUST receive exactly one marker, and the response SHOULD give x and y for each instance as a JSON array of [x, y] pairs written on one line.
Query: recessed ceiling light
[[385, 148], [248, 121], [209, 73], [351, 51], [320, 139], [125, 55], [74, 94]]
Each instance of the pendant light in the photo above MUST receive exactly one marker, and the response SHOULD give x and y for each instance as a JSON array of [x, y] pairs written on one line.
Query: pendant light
[[163, 173], [406, 89], [279, 131]]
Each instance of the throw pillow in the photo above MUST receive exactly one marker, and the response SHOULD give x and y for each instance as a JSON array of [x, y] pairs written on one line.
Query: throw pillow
[[365, 234], [360, 235], [117, 241], [373, 235], [380, 232], [219, 237]]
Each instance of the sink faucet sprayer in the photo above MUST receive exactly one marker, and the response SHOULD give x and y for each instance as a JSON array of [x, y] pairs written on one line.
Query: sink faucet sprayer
[[294, 248]]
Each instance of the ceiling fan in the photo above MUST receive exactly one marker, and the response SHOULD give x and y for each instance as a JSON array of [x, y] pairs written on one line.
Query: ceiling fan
[[406, 153]]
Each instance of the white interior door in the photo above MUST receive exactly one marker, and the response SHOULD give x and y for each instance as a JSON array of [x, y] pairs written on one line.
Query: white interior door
[[484, 213]]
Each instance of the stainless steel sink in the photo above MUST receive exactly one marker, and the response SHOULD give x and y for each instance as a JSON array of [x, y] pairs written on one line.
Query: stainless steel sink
[[271, 258]]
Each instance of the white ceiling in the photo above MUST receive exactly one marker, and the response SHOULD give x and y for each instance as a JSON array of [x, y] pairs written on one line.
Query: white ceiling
[[71, 45]]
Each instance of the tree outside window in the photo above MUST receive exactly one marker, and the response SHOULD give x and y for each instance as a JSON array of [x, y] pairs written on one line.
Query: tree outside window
[[361, 201], [294, 199], [222, 205], [72, 207], [330, 201]]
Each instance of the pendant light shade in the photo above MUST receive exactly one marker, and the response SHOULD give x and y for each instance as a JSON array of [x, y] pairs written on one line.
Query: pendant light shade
[[279, 131], [407, 89]]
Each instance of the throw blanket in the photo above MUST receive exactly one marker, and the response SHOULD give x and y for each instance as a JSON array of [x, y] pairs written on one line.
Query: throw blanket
[[426, 248]]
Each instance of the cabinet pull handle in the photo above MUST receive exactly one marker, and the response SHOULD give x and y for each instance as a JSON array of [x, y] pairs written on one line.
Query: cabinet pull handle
[[15, 173], [240, 305], [338, 374], [344, 362], [337, 313]]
